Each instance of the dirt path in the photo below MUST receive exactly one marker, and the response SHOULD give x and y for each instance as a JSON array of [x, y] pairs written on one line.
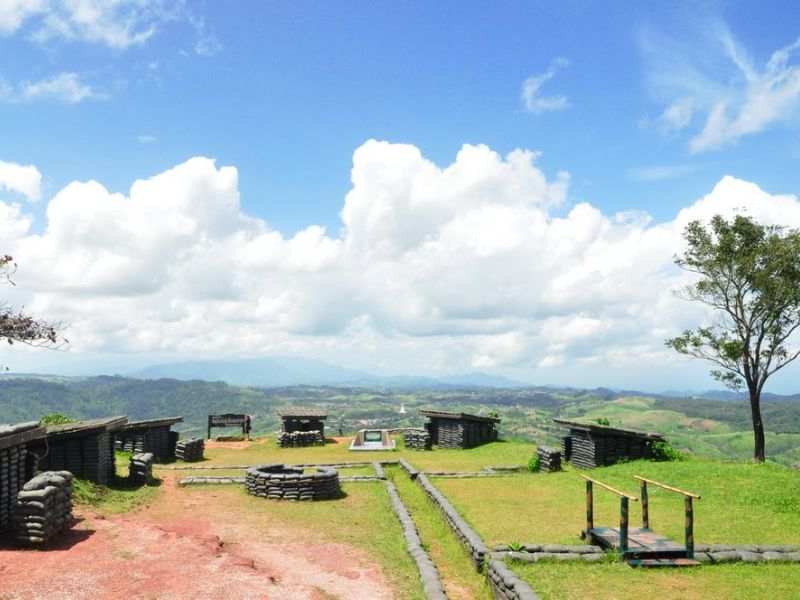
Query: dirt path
[[187, 544]]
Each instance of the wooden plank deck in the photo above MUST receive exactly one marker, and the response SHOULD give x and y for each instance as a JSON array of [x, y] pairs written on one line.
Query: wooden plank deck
[[642, 543]]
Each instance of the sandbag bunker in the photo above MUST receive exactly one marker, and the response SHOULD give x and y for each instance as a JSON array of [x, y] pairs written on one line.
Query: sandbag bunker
[[44, 507], [283, 482]]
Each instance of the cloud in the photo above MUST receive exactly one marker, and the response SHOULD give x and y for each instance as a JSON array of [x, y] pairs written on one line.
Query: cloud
[[146, 138], [531, 95], [475, 264], [717, 84], [64, 87], [661, 172], [24, 179]]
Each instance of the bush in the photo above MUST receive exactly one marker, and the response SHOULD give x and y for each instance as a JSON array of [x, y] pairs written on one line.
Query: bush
[[603, 421], [533, 464], [664, 452], [55, 419]]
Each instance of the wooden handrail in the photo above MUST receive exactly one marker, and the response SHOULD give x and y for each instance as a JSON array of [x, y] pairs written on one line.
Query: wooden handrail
[[611, 489], [668, 487]]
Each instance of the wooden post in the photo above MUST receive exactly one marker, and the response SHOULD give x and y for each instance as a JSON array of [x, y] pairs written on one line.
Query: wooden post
[[645, 505], [209, 427], [589, 508], [623, 524], [689, 527]]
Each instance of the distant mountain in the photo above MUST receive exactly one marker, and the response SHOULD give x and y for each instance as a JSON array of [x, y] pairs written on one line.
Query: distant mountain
[[280, 371]]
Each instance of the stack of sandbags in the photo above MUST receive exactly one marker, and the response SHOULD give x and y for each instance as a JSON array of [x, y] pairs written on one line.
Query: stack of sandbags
[[141, 469], [549, 459], [190, 449], [300, 438], [12, 474], [417, 439], [44, 507]]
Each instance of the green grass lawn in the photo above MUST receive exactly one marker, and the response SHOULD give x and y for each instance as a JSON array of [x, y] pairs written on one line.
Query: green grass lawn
[[265, 450], [741, 502], [579, 581]]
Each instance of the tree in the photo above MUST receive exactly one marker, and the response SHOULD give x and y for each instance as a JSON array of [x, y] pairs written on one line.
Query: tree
[[750, 275], [21, 327]]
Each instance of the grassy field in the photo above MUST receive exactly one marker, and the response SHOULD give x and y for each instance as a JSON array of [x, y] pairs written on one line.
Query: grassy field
[[578, 581], [741, 502]]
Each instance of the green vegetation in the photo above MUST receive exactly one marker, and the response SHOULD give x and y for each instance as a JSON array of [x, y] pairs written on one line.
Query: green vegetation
[[116, 498], [55, 419], [664, 452], [533, 464], [562, 581], [741, 502]]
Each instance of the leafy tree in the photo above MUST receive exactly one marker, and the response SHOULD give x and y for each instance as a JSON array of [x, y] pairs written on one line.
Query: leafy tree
[[750, 275], [21, 327]]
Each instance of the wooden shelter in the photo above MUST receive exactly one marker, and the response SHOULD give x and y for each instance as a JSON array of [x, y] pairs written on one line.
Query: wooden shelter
[[84, 448], [302, 419], [17, 465], [153, 435], [459, 430], [591, 445]]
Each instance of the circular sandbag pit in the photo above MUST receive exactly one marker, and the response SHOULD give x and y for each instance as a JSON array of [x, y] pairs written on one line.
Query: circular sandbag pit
[[283, 482]]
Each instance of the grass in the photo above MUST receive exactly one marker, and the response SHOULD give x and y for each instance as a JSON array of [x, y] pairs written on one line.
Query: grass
[[459, 578], [741, 502], [562, 581], [115, 498], [265, 450]]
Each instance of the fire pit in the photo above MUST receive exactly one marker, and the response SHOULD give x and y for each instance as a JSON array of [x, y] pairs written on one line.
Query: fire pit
[[284, 482]]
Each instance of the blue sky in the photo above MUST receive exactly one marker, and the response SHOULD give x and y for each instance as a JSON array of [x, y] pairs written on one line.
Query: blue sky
[[646, 107]]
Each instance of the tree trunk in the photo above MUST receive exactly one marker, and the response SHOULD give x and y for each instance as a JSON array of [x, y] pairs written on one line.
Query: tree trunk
[[759, 454]]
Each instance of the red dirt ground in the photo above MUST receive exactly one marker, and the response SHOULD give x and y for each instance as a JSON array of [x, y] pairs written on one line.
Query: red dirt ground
[[185, 546]]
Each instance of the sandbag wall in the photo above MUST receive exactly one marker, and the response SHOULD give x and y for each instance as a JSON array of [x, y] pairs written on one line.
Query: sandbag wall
[[463, 434], [280, 482], [298, 439], [89, 457], [190, 449], [417, 439], [43, 508], [156, 440], [15, 469], [141, 468], [549, 459], [590, 450]]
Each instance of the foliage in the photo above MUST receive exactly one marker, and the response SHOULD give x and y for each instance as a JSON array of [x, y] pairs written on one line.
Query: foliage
[[664, 452], [493, 414], [534, 463], [55, 419], [602, 421], [750, 275], [21, 327], [516, 546]]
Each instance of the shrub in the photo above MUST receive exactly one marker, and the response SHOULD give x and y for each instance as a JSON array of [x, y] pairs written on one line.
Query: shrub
[[664, 452], [533, 464], [603, 421], [55, 419]]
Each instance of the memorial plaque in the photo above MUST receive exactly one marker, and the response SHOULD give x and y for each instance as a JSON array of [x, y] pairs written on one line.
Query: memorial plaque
[[372, 439], [226, 420]]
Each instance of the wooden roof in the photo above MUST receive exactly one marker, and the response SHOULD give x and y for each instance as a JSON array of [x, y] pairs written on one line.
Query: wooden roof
[[598, 429], [295, 412], [14, 435], [84, 428], [162, 422], [438, 414]]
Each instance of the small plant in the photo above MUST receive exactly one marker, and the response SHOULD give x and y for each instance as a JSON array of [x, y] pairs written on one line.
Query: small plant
[[612, 556], [516, 546], [55, 419], [493, 414], [664, 452], [534, 464], [602, 421]]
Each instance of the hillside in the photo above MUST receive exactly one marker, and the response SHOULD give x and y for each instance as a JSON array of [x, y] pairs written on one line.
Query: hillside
[[707, 428]]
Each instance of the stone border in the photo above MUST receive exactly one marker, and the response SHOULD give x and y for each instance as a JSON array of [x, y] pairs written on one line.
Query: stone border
[[469, 474], [202, 480], [429, 574], [505, 584], [285, 482]]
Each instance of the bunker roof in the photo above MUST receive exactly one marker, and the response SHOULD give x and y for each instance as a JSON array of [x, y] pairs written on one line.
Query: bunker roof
[[162, 422], [438, 414], [14, 435], [295, 412], [598, 429], [88, 427]]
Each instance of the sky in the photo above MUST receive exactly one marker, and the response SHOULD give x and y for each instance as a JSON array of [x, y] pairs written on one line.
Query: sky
[[402, 188]]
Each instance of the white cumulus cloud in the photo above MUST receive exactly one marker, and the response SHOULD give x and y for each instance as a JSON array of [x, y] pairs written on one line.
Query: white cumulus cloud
[[476, 264], [24, 179], [532, 97]]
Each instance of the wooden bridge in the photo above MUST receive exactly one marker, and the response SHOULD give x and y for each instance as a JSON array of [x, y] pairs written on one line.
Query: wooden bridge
[[641, 546]]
